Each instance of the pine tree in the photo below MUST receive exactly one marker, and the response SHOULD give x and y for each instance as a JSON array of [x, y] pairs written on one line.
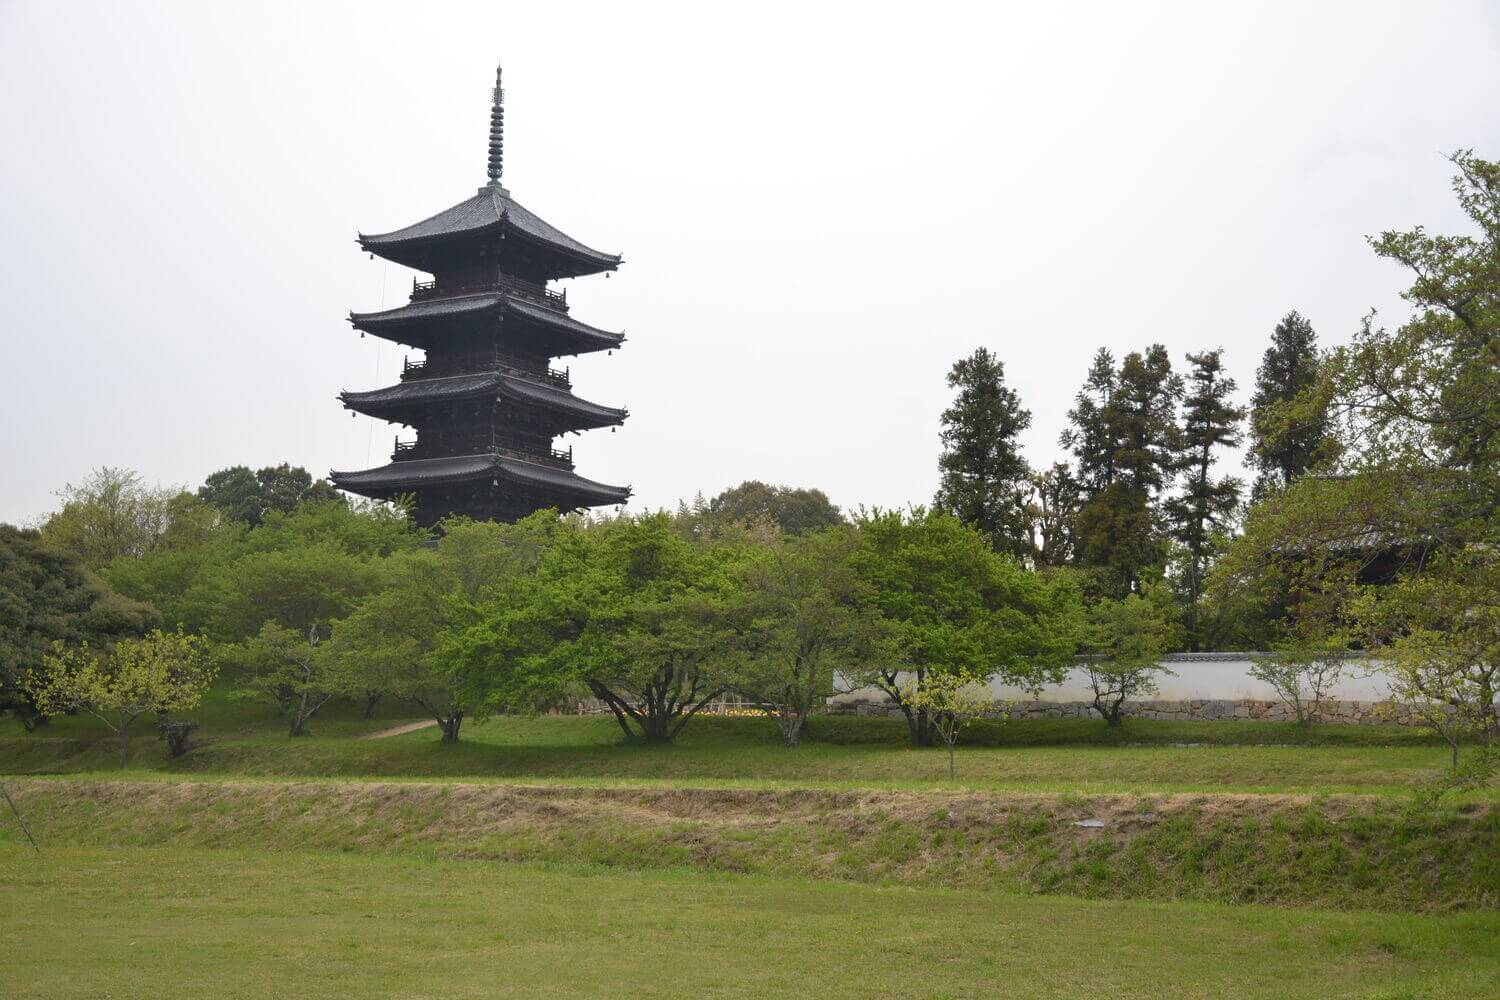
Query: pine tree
[[1143, 416], [1126, 439], [985, 480], [1090, 439], [1290, 365], [1206, 506]]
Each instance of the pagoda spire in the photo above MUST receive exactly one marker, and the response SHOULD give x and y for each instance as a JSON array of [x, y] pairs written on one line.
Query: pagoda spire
[[497, 131]]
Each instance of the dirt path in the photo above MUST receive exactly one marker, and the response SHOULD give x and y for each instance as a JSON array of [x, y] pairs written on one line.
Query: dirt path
[[409, 727]]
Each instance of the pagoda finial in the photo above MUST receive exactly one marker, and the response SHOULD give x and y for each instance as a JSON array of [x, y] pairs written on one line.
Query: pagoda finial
[[497, 131]]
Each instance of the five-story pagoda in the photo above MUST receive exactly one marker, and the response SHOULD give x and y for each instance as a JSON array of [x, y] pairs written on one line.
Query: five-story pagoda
[[485, 402]]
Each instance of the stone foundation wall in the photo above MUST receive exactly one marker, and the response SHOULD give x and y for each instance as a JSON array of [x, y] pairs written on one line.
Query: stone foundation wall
[[1206, 709]]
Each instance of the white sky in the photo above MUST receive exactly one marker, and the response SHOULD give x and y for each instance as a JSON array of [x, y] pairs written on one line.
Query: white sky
[[820, 209]]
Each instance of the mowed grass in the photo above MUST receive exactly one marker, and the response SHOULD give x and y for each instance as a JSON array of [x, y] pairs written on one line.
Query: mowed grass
[[172, 922], [838, 752]]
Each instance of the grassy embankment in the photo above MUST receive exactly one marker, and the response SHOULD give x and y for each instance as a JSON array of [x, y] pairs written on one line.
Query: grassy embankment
[[1332, 852]]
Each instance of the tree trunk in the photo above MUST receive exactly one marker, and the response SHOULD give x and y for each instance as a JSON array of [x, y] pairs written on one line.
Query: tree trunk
[[122, 748], [657, 725], [952, 774], [450, 726], [793, 734], [919, 726], [372, 698]]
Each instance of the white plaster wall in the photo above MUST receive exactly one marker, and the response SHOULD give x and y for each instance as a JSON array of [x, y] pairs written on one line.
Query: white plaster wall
[[1196, 679], [1205, 679]]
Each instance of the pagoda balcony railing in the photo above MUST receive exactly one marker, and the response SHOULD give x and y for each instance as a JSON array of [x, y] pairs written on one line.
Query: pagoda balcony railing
[[562, 459], [560, 378], [503, 283], [550, 456]]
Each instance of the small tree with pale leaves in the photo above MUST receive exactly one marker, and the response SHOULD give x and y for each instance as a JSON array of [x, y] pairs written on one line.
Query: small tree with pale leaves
[[159, 673], [950, 700], [1303, 674]]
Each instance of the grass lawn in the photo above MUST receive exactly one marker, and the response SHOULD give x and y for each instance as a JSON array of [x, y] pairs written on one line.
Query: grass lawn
[[142, 922], [839, 752]]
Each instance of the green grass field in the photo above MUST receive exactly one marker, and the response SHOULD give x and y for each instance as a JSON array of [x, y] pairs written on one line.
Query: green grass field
[[543, 857], [232, 923], [840, 752]]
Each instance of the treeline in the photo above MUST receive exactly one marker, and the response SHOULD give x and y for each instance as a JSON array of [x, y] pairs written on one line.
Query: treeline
[[763, 593], [1372, 523], [1143, 499]]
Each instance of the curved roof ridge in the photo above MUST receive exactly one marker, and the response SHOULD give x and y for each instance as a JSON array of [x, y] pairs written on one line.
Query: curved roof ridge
[[515, 387], [491, 207], [460, 468]]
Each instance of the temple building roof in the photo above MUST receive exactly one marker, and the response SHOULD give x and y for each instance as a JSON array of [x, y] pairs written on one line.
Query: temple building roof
[[583, 414], [492, 210], [423, 472], [581, 335]]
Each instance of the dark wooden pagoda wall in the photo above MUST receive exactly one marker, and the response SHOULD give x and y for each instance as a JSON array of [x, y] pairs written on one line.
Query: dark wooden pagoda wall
[[506, 343], [470, 427], [481, 501], [474, 426], [491, 255]]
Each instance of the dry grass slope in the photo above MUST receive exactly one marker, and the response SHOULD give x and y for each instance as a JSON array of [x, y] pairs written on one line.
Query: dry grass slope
[[1342, 852]]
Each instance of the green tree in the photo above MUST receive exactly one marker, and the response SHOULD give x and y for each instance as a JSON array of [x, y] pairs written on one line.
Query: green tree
[[1412, 483], [1283, 452], [111, 515], [627, 609], [248, 497], [950, 604], [1093, 436], [799, 622], [160, 673], [1303, 671], [1126, 440], [1126, 641], [1055, 498], [950, 700], [295, 589], [48, 596], [793, 510], [1439, 638], [293, 670], [394, 641], [1203, 513], [985, 480]]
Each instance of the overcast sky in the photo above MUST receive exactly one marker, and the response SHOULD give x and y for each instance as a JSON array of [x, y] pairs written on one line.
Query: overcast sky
[[820, 209]]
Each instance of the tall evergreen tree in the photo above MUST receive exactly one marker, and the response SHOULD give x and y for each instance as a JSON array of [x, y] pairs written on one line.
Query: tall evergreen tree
[[985, 480], [1278, 451], [1126, 439], [1205, 508], [1143, 416], [1090, 439]]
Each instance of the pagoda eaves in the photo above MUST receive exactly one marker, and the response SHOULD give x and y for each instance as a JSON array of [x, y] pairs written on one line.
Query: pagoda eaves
[[489, 214], [414, 322]]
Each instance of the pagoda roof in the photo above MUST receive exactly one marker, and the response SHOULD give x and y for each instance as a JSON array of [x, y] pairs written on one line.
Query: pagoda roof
[[457, 306], [521, 390], [426, 472], [491, 210]]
